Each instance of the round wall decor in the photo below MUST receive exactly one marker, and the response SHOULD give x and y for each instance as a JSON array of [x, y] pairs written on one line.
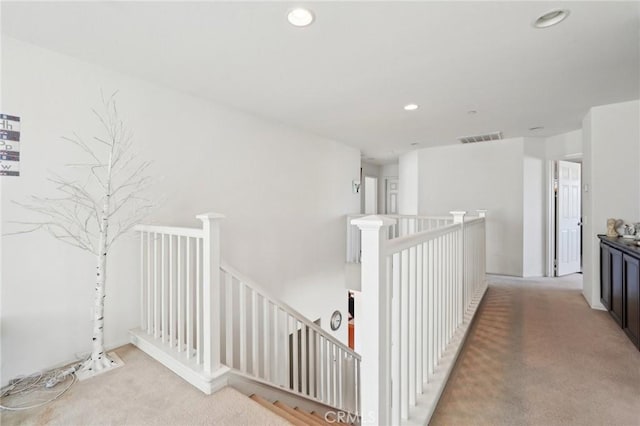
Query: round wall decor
[[336, 320]]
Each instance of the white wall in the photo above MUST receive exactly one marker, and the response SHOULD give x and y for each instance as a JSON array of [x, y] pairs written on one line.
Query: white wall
[[533, 207], [409, 177], [285, 194], [486, 175], [564, 146], [611, 138]]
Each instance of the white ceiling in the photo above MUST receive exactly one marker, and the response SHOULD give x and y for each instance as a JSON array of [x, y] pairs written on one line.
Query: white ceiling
[[348, 75]]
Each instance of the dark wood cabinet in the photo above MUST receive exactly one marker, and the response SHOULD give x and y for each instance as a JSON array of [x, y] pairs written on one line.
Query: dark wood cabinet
[[620, 283], [617, 304], [631, 320], [605, 276]]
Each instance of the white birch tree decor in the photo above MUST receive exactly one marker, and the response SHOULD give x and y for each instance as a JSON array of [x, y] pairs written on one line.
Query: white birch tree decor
[[92, 212]]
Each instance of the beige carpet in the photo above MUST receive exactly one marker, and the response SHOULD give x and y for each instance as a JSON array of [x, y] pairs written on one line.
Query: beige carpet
[[538, 355], [143, 392]]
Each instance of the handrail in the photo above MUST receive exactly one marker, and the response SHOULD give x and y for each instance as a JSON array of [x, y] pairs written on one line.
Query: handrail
[[301, 318], [472, 220], [171, 230], [402, 243]]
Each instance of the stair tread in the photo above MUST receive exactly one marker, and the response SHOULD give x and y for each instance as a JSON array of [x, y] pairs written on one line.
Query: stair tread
[[297, 413], [319, 416], [311, 418], [280, 412]]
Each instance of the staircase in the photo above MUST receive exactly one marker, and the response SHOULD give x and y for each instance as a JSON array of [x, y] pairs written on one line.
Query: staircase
[[298, 416], [215, 327]]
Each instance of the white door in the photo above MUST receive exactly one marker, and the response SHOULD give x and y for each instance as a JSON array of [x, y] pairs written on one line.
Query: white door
[[568, 218], [391, 206]]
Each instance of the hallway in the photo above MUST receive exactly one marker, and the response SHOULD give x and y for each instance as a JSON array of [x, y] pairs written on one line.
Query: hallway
[[538, 355]]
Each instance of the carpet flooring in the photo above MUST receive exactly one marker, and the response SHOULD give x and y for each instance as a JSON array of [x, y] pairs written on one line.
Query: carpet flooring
[[538, 355], [144, 392]]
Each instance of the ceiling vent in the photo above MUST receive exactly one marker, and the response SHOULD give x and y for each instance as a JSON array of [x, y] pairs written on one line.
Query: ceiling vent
[[481, 138]]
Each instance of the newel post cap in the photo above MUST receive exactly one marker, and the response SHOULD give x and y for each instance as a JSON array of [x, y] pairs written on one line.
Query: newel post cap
[[482, 212], [458, 216], [210, 216], [373, 222]]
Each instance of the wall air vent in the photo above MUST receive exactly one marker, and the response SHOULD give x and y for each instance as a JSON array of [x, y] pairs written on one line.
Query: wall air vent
[[481, 138]]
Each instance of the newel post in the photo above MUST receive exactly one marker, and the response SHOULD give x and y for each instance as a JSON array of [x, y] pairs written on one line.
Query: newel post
[[461, 288], [211, 290], [375, 335], [483, 271]]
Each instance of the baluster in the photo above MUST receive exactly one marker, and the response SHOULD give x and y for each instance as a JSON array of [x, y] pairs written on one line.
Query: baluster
[[266, 339], [255, 334], [332, 374], [156, 292], [303, 357], [143, 303], [198, 302], [295, 353], [431, 330], [404, 339], [396, 330], [411, 365], [322, 370], [276, 345], [312, 362], [357, 385], [172, 302], [180, 296], [441, 309], [419, 318], [242, 308], [288, 351], [228, 293], [435, 298], [164, 335], [339, 377], [189, 299], [450, 303]]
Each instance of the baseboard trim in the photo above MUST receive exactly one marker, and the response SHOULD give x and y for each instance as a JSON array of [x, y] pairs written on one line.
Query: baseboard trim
[[187, 370]]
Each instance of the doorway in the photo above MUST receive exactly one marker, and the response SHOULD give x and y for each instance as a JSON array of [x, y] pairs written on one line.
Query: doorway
[[566, 212], [370, 195], [391, 196]]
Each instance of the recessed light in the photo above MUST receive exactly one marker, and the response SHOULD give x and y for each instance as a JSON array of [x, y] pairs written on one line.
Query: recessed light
[[300, 17], [473, 111], [536, 128], [551, 18], [410, 107]]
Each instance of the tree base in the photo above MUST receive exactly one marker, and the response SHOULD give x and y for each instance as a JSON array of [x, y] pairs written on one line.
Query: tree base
[[91, 368]]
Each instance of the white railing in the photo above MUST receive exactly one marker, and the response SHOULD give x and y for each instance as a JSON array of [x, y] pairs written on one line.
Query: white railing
[[267, 339], [416, 292], [209, 315], [171, 290], [402, 225]]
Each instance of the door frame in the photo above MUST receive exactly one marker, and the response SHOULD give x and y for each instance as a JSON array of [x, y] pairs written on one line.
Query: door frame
[[550, 184], [551, 173]]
